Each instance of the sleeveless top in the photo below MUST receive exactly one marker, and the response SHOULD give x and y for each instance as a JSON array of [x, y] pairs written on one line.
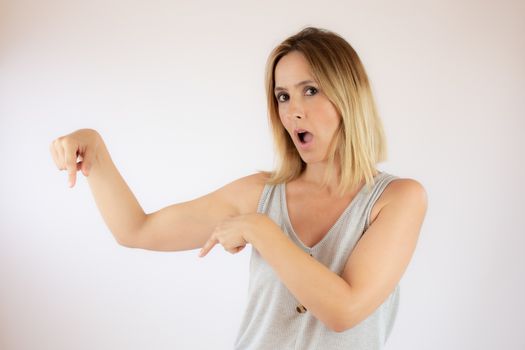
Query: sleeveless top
[[275, 320]]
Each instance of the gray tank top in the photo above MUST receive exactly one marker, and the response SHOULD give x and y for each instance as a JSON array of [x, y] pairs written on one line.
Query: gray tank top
[[275, 320]]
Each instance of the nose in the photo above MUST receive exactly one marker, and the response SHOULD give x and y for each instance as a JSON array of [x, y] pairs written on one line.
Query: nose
[[295, 109]]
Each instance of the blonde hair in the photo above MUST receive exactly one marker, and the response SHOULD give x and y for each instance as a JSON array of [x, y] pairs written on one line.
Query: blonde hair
[[359, 142]]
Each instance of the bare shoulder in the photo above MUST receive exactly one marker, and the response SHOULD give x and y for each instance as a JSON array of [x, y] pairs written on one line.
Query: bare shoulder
[[394, 191], [247, 190], [405, 190]]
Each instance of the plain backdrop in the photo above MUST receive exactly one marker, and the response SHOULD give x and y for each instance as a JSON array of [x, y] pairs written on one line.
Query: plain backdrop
[[176, 90]]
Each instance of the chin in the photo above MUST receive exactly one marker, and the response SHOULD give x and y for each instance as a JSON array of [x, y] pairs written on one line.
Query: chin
[[307, 159]]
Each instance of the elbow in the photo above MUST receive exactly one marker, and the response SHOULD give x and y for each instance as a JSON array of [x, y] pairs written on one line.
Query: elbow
[[346, 319], [339, 324], [125, 241], [124, 244], [355, 313], [342, 326]]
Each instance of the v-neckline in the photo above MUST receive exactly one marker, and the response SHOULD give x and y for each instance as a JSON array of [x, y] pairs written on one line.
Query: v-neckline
[[328, 233]]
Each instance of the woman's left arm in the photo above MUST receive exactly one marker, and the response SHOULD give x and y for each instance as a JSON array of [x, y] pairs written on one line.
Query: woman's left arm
[[374, 268]]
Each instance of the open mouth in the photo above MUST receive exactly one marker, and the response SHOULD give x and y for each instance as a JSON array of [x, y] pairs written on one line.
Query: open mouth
[[305, 137]]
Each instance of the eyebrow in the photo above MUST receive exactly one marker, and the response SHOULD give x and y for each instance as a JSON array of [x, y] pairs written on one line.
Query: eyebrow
[[278, 88]]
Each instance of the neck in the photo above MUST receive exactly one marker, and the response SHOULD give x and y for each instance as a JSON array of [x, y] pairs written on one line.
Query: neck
[[313, 176], [314, 173]]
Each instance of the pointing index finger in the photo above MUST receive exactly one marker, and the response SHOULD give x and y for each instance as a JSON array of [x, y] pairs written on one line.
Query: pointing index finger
[[71, 164], [207, 247]]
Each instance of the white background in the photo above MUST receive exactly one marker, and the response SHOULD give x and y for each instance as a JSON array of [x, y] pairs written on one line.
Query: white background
[[176, 90]]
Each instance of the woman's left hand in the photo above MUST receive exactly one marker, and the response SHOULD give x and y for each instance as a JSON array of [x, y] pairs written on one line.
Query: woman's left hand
[[233, 233]]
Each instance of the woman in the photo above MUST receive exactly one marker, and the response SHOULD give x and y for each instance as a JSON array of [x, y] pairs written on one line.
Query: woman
[[331, 235]]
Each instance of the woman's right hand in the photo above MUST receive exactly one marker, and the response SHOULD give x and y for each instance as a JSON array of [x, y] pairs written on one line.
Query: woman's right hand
[[82, 144]]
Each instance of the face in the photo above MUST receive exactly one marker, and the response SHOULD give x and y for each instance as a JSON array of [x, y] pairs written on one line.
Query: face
[[302, 105]]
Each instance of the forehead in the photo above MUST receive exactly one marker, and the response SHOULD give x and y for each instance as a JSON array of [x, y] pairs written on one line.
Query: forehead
[[291, 68]]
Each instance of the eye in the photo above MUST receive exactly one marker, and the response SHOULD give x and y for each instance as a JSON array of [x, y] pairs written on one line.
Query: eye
[[308, 88], [279, 97], [312, 89]]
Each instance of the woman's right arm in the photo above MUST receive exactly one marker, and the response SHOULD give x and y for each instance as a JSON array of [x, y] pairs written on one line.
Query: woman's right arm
[[119, 208], [182, 226]]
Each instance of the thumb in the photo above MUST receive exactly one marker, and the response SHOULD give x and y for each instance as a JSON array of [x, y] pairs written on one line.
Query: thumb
[[86, 163]]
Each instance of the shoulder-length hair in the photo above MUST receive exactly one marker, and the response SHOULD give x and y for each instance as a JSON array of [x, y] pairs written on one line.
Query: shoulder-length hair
[[359, 142]]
